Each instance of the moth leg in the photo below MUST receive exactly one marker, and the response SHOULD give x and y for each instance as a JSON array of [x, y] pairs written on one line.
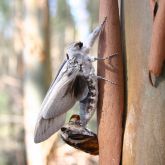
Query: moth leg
[[93, 59], [102, 78], [92, 37]]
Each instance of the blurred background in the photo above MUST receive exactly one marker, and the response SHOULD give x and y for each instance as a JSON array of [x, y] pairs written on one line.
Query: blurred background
[[33, 38]]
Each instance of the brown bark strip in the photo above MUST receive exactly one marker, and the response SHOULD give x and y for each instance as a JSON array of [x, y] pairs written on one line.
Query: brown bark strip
[[157, 50], [110, 105]]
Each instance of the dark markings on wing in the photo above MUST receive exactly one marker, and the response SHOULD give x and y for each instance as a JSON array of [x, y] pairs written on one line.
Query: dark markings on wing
[[77, 86]]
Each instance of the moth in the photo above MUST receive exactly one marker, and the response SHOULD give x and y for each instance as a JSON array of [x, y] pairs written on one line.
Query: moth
[[80, 137], [75, 81]]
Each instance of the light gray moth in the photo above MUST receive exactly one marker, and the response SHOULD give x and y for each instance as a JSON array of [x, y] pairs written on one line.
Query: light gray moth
[[75, 81]]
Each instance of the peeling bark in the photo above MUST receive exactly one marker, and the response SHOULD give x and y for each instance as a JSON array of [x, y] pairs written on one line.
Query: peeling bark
[[157, 49]]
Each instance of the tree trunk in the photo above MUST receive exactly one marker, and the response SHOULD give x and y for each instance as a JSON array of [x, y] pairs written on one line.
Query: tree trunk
[[144, 137], [37, 71], [110, 107], [18, 47]]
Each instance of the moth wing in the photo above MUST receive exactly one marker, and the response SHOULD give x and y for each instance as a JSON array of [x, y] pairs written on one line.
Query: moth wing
[[80, 88], [58, 100], [47, 127], [55, 105]]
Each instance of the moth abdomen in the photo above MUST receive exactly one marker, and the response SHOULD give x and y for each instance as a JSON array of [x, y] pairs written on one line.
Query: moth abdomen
[[89, 104]]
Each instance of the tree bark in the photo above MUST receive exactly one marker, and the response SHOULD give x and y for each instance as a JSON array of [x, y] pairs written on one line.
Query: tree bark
[[144, 136], [18, 51], [157, 49], [37, 71], [111, 99]]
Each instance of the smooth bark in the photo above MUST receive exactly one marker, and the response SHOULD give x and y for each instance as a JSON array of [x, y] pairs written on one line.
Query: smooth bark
[[110, 105], [144, 136]]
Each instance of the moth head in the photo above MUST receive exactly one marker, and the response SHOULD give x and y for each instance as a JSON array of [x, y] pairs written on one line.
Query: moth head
[[75, 46], [78, 45], [73, 49]]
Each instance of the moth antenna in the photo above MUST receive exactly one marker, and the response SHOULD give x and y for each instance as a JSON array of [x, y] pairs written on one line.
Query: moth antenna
[[93, 36], [105, 58], [104, 21]]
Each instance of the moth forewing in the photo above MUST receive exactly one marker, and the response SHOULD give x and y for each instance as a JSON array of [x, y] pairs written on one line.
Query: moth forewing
[[52, 115], [47, 127], [58, 100], [59, 75]]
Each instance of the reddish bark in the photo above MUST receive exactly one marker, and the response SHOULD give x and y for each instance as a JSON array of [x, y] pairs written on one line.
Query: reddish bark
[[157, 50], [110, 105]]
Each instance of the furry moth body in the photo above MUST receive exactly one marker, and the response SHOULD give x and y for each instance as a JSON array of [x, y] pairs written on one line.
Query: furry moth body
[[75, 81]]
